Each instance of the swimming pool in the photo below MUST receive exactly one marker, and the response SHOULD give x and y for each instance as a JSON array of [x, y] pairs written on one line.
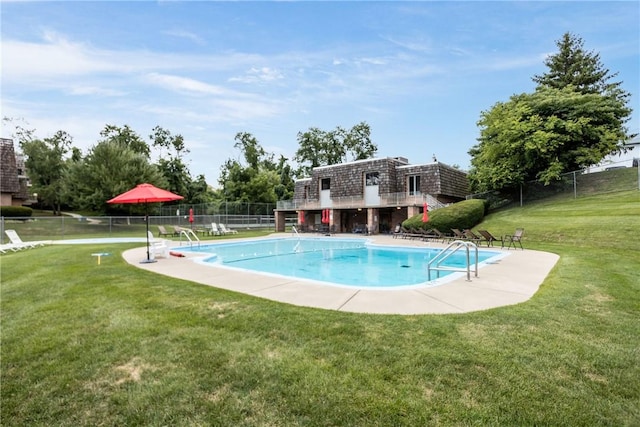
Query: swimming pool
[[345, 262]]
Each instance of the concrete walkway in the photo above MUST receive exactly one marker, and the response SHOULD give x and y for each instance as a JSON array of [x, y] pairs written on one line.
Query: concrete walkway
[[511, 280]]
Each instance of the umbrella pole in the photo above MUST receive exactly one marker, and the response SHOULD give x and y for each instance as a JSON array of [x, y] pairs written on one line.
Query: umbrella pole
[[146, 218], [147, 221]]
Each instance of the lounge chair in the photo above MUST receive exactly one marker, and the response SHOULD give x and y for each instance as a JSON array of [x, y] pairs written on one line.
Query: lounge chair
[[9, 247], [405, 232], [470, 235], [157, 247], [225, 230], [215, 231], [490, 238], [440, 235], [163, 231], [17, 242], [515, 238], [458, 234], [177, 230], [397, 231]]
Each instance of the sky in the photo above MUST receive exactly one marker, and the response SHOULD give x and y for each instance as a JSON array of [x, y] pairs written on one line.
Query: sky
[[418, 73]]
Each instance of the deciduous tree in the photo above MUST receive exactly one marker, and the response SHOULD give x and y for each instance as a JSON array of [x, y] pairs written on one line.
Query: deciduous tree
[[575, 118], [46, 165], [322, 148]]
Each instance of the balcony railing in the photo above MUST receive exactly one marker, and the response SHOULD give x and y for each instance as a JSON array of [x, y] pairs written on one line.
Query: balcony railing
[[353, 202]]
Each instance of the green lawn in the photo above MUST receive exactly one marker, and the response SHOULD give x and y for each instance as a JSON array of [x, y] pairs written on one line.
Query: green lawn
[[86, 345]]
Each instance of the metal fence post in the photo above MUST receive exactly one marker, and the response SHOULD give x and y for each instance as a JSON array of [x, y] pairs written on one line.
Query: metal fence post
[[575, 186]]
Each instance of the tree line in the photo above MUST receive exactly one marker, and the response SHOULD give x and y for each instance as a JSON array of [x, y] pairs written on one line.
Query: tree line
[[576, 116], [63, 177]]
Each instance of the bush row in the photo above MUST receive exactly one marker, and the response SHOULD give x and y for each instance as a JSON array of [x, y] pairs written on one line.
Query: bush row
[[461, 215], [15, 211]]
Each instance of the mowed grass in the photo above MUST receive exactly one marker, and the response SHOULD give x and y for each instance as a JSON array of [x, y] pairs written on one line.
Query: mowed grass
[[89, 345]]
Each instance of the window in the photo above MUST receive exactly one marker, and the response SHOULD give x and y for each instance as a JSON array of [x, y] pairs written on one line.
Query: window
[[372, 178], [414, 185], [325, 184]]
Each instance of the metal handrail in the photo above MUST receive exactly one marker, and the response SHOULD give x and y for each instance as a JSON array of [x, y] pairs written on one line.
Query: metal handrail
[[188, 233], [447, 252]]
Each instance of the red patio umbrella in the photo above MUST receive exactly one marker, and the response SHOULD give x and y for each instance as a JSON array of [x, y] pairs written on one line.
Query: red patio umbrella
[[191, 217], [145, 193], [425, 213]]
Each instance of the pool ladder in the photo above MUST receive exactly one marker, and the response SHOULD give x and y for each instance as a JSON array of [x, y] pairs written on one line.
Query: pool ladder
[[453, 247], [190, 236], [294, 231]]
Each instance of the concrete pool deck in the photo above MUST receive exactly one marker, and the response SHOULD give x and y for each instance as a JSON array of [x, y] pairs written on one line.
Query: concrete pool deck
[[513, 279]]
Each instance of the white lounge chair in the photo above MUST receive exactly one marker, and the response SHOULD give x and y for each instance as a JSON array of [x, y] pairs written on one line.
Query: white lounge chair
[[17, 242], [9, 247], [226, 230], [215, 231], [158, 247]]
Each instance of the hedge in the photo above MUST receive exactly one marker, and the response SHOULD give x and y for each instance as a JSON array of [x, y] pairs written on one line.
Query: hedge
[[15, 211], [461, 215]]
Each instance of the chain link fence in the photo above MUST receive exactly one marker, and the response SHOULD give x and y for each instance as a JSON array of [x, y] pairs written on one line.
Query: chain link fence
[[614, 177]]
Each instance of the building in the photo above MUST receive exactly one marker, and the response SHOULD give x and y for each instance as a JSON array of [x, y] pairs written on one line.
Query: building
[[14, 184], [371, 195], [628, 159]]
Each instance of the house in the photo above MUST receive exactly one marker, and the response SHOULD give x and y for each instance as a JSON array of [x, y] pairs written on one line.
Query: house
[[371, 195], [621, 160], [14, 184]]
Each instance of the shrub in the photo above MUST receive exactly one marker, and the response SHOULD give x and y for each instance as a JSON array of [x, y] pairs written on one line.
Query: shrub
[[461, 215], [15, 211]]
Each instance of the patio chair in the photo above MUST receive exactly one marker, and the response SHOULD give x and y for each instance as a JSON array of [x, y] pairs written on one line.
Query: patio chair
[[226, 230], [470, 235], [177, 230], [458, 234], [157, 247], [440, 235], [215, 231], [17, 242], [163, 231], [515, 238], [490, 238]]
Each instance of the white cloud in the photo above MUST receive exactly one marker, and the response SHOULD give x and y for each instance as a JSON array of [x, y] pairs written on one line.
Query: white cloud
[[258, 75], [186, 35]]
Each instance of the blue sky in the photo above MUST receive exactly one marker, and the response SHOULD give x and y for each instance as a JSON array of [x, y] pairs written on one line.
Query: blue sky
[[419, 73]]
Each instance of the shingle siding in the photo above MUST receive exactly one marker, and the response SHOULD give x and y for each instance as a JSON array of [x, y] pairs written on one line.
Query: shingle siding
[[348, 179]]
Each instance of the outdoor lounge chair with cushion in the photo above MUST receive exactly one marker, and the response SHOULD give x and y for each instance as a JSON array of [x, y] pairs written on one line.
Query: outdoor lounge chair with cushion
[[17, 242], [490, 238], [514, 239]]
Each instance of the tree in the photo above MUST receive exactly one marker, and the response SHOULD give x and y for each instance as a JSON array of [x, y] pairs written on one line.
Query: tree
[[322, 148], [46, 166], [575, 118], [126, 137], [172, 166], [253, 181], [539, 136], [573, 66], [109, 169]]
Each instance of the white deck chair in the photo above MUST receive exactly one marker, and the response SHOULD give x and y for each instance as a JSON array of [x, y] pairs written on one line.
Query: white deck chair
[[158, 247], [17, 242], [215, 231], [226, 230]]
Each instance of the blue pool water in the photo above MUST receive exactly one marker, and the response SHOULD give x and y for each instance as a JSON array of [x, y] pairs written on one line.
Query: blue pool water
[[348, 262]]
